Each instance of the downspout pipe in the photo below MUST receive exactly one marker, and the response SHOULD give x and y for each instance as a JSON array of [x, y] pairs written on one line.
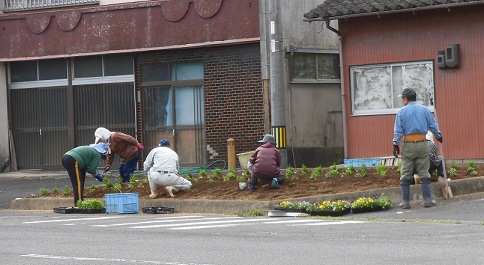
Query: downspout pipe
[[328, 26], [343, 94]]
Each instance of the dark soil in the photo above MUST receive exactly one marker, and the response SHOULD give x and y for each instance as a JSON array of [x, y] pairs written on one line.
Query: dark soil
[[300, 186]]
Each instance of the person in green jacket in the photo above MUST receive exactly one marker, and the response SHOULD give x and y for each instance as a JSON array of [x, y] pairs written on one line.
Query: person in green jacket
[[80, 160]]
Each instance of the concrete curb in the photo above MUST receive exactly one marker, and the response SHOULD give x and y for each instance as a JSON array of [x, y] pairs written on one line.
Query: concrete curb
[[459, 187]]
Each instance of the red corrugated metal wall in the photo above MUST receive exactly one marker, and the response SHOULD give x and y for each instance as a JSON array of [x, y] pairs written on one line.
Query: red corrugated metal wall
[[417, 36]]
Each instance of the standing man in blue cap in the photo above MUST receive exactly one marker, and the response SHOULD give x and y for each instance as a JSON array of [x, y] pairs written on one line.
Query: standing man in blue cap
[[412, 123], [162, 166], [80, 160], [266, 161]]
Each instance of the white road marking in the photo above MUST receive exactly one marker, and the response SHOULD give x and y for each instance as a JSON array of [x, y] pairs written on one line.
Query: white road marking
[[162, 221], [204, 226], [335, 223], [70, 220], [203, 223], [293, 221], [108, 260]]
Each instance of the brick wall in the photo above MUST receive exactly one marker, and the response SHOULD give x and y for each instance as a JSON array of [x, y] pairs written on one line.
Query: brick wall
[[234, 106]]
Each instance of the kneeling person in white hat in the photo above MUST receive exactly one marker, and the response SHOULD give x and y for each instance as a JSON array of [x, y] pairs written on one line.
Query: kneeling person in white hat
[[162, 167]]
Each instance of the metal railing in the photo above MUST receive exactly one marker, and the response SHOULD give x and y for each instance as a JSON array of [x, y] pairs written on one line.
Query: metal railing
[[23, 5]]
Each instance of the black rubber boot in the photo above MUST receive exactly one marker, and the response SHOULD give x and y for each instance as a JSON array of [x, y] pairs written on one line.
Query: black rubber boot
[[427, 195], [405, 204]]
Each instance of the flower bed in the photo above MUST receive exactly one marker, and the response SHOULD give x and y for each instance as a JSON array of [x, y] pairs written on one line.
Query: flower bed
[[368, 204], [329, 208], [336, 208], [292, 206]]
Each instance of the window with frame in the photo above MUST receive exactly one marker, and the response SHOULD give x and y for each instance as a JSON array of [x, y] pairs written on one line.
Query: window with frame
[[315, 66], [108, 68], [174, 96], [375, 89], [38, 73]]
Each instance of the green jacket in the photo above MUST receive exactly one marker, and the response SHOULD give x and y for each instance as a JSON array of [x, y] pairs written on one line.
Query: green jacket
[[87, 158]]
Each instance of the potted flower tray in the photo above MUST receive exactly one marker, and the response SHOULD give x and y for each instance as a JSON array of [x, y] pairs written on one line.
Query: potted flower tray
[[67, 210], [330, 213]]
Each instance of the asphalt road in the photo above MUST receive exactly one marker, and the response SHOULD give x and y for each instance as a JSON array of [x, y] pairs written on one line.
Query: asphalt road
[[32, 237], [12, 188]]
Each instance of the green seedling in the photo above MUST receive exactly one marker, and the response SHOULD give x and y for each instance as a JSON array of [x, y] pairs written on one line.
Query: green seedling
[[348, 171], [333, 171], [43, 191], [55, 190], [362, 172], [132, 182], [471, 168], [216, 174], [244, 176], [107, 182], [252, 213], [290, 174], [120, 181], [452, 169], [381, 170], [117, 187], [67, 190], [202, 174], [189, 176], [230, 175], [316, 172], [304, 169]]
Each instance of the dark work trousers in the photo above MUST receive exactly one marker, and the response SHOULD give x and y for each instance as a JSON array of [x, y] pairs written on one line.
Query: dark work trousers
[[254, 177], [77, 176], [127, 169]]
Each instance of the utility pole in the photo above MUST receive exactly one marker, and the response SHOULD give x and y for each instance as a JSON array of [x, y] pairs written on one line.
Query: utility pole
[[277, 80]]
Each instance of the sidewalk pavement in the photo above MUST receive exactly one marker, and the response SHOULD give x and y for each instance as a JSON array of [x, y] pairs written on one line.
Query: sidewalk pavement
[[459, 187]]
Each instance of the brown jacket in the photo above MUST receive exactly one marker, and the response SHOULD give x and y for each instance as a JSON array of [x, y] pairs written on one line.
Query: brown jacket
[[122, 144], [266, 160]]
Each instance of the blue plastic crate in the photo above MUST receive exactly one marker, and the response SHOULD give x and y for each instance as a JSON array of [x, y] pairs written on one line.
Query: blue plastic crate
[[121, 203], [369, 162]]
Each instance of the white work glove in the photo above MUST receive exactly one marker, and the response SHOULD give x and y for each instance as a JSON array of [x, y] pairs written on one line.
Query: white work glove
[[249, 166]]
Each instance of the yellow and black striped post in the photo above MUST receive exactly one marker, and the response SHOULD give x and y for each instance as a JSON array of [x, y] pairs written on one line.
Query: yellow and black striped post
[[279, 132]]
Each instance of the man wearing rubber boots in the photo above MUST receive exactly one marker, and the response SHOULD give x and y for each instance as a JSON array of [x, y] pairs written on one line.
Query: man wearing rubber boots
[[411, 125]]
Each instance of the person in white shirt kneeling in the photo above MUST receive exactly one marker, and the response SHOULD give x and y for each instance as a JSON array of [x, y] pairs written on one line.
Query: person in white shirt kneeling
[[162, 167]]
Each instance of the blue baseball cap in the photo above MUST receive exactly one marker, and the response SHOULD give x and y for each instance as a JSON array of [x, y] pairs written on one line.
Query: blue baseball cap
[[164, 142]]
